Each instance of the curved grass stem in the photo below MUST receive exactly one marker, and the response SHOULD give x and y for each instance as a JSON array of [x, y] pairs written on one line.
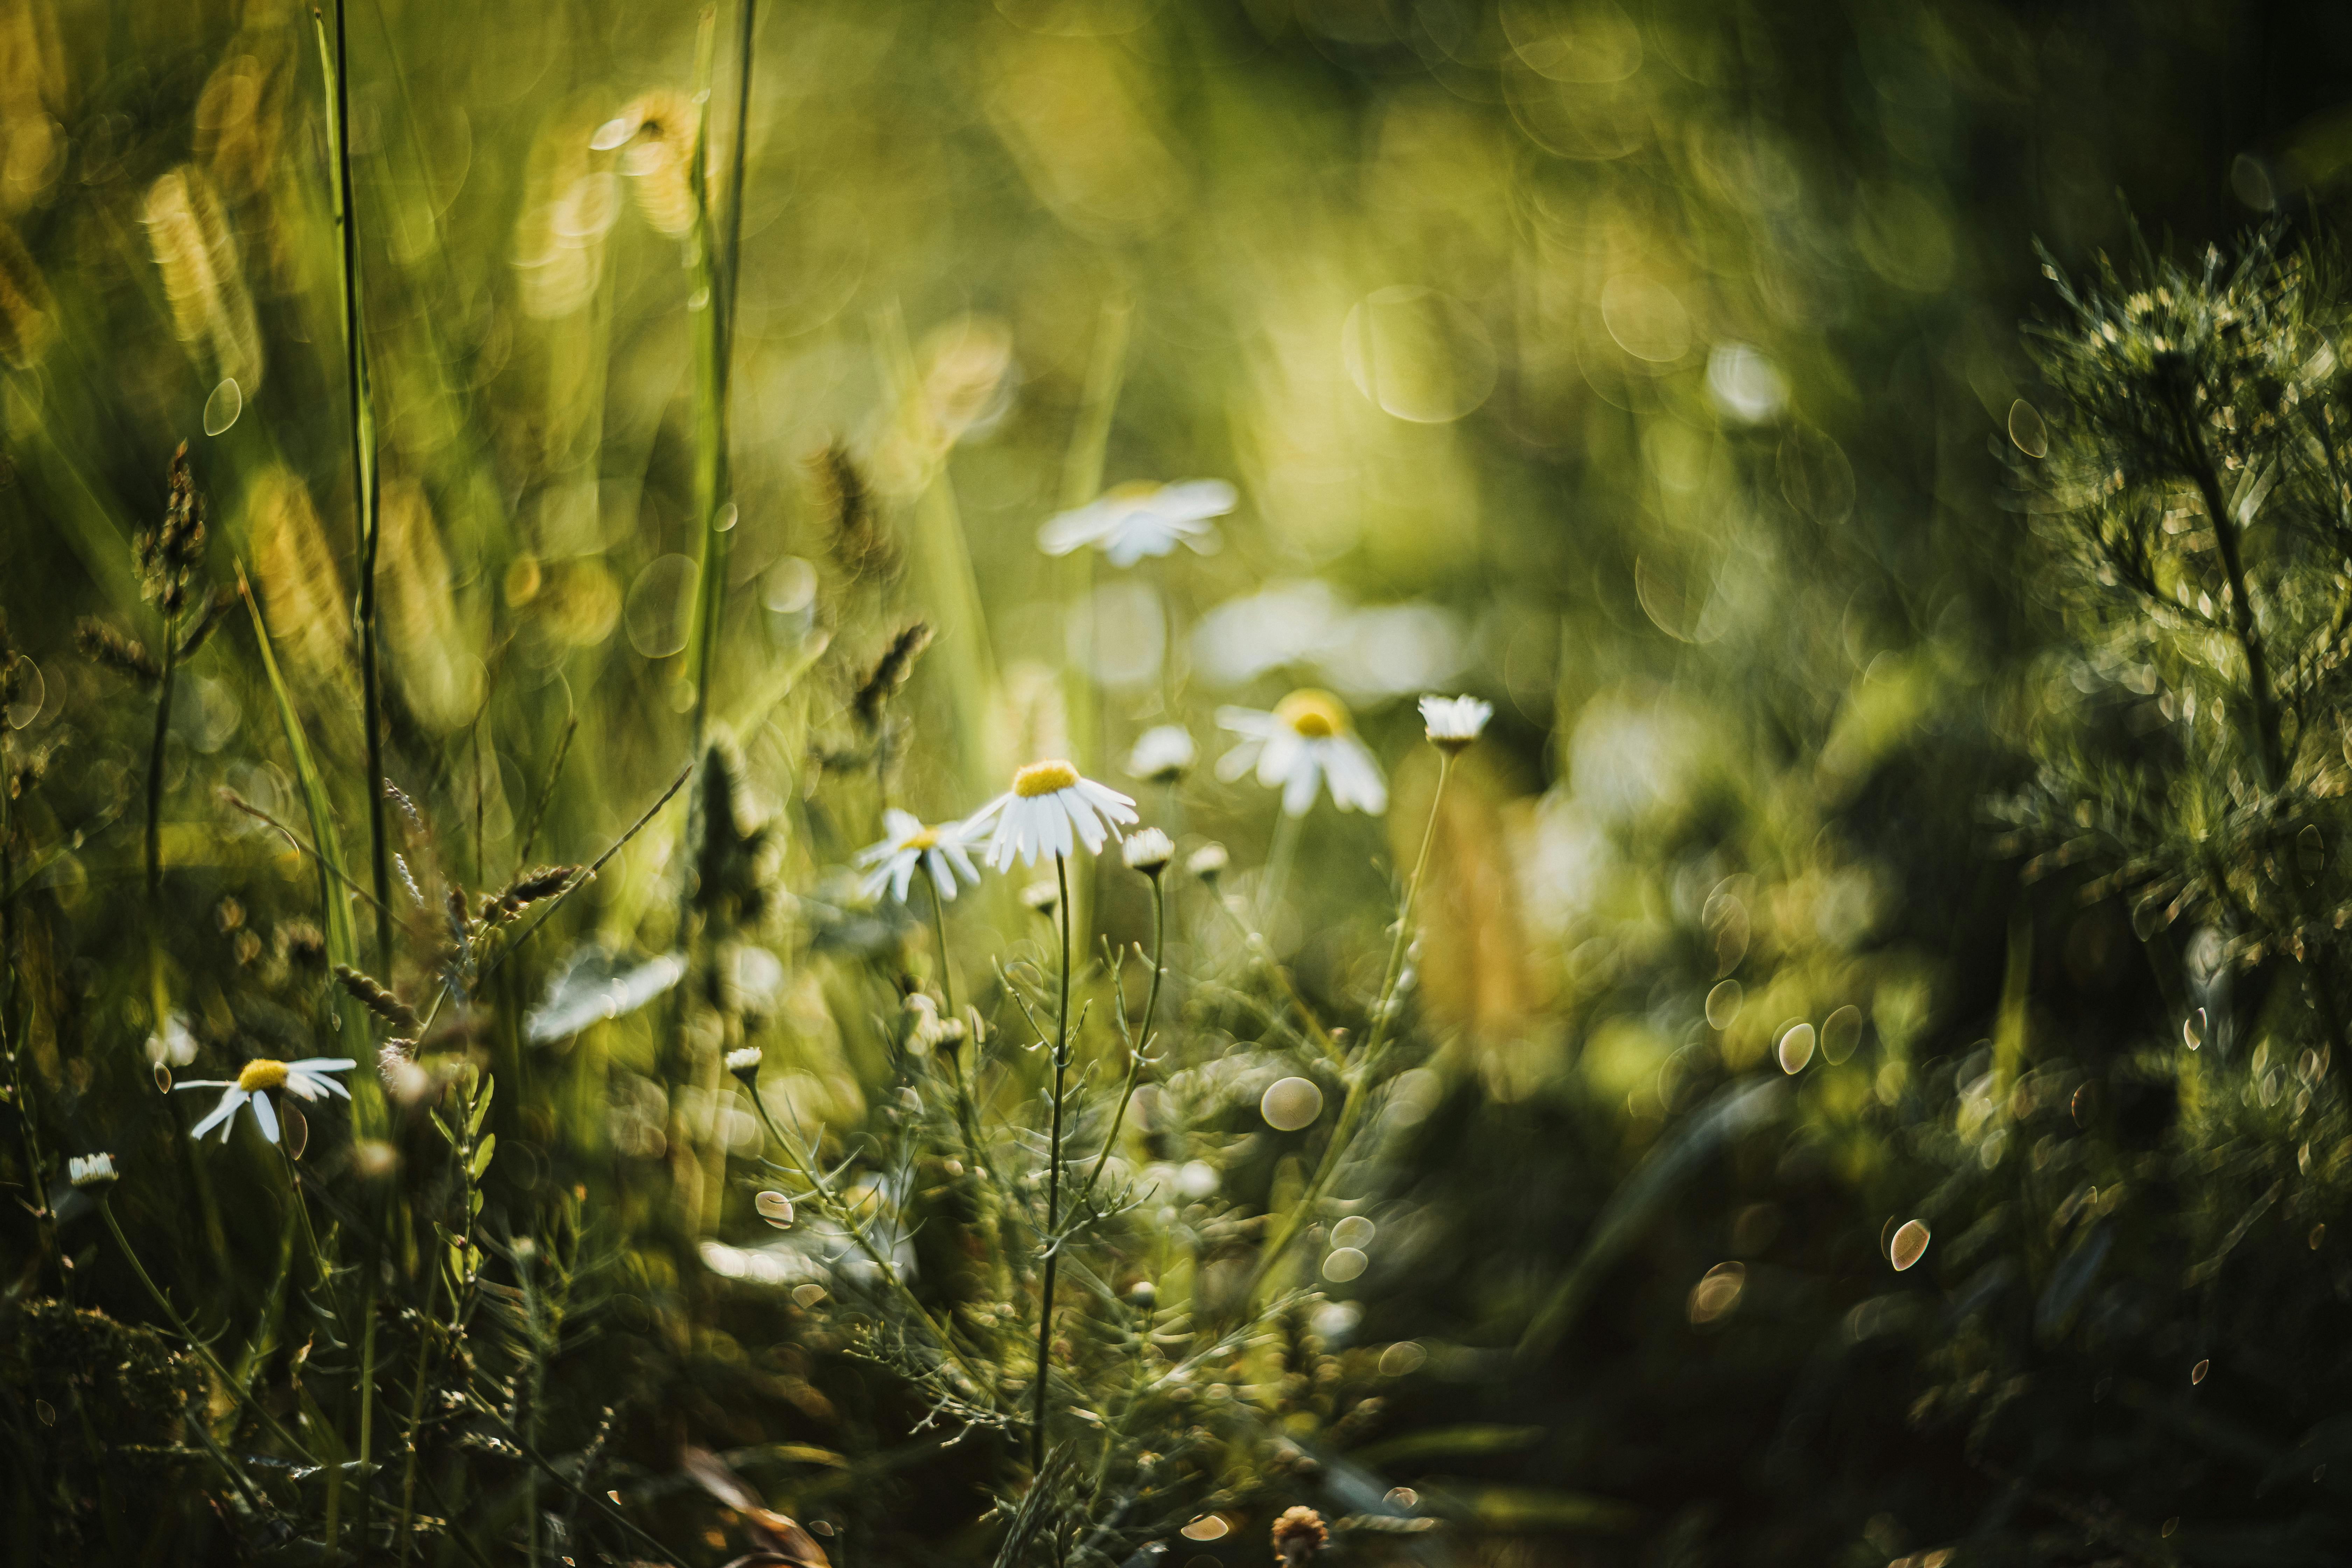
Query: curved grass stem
[[1360, 1072], [1052, 1183]]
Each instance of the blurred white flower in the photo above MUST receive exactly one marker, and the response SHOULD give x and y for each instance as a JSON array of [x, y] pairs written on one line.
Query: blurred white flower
[[1367, 652], [1455, 721], [1131, 522], [1306, 740], [744, 1062], [1208, 862], [1742, 382], [1163, 754], [1036, 816], [907, 844], [307, 1078]]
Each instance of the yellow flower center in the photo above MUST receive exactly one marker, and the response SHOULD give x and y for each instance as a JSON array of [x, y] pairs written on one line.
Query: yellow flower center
[[1043, 778], [261, 1072], [922, 839], [1316, 715]]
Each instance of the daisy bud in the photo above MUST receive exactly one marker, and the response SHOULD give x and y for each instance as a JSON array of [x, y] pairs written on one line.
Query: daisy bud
[[1148, 851], [1042, 896], [1455, 721], [91, 1171], [1208, 862], [744, 1063], [1298, 1535]]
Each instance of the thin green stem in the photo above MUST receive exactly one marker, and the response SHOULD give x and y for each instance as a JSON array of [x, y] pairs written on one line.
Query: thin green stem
[[1278, 857], [805, 1164], [365, 485], [1052, 1180], [204, 1351], [156, 766], [1142, 1041], [401, 1536], [1358, 1074]]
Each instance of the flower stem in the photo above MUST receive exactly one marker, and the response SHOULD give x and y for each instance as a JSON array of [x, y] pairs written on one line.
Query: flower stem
[[1278, 857], [366, 493], [204, 1351], [1142, 1040], [1052, 1183], [1358, 1076], [805, 1164]]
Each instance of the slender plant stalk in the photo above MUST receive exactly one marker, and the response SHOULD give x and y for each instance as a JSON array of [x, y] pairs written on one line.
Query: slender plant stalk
[[1142, 1041], [367, 1410], [805, 1164], [1278, 857], [366, 489], [1359, 1076], [204, 1351], [1052, 1183], [155, 767], [713, 257]]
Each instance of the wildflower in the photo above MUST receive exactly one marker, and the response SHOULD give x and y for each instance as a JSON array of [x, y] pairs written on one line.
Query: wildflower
[[1148, 851], [744, 1062], [91, 1171], [1455, 721], [306, 1077], [907, 844], [1305, 740], [1163, 755], [1133, 521], [1298, 1535], [1208, 862], [1046, 801], [1043, 897]]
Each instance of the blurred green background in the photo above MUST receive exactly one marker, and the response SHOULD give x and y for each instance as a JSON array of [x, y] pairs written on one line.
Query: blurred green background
[[1649, 368]]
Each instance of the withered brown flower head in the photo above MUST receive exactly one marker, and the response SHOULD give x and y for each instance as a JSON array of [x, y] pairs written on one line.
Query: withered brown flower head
[[1298, 1535]]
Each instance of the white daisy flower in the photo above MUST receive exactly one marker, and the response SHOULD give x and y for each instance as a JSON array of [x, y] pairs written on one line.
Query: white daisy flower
[[1208, 862], [1305, 740], [944, 851], [1130, 521], [1149, 850], [1455, 721], [90, 1170], [1163, 754], [307, 1078], [744, 1062], [1047, 800]]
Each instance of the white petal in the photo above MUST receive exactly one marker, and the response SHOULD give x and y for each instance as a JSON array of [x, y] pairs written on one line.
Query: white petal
[[322, 1064], [1254, 722], [899, 825], [1114, 805], [1081, 813], [942, 879], [267, 1117], [1195, 499], [219, 1113], [303, 1084], [1355, 776], [204, 1083], [1298, 794], [1072, 530], [1284, 755], [956, 853], [1053, 830], [1239, 760], [902, 873]]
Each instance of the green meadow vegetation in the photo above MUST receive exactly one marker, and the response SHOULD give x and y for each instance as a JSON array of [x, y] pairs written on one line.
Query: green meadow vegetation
[[1114, 782]]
